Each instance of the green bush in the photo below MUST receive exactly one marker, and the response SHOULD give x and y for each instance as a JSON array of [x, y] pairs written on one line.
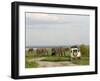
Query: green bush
[[55, 59], [82, 61], [84, 50], [32, 64]]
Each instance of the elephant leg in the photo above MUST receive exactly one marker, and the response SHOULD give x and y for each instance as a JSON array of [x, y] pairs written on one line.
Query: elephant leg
[[60, 54], [47, 53], [64, 53]]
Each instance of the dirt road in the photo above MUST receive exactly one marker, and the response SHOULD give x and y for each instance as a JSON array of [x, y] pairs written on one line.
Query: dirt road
[[51, 64]]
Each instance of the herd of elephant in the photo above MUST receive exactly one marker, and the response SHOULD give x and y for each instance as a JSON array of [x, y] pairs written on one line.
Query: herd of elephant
[[54, 51]]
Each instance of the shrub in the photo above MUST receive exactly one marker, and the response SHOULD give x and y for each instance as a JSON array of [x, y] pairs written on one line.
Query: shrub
[[32, 64], [55, 59], [84, 50]]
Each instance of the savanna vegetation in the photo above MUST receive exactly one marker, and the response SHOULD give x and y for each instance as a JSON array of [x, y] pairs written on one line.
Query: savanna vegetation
[[31, 55]]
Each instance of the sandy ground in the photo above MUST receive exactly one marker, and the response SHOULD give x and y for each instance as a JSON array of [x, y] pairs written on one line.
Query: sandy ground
[[51, 64]]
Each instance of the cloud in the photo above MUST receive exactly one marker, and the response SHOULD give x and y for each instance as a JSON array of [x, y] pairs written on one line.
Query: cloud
[[56, 29], [38, 18], [64, 36], [35, 19], [42, 17]]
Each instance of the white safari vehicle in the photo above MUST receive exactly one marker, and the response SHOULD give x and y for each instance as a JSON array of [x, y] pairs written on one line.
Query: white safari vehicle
[[75, 53]]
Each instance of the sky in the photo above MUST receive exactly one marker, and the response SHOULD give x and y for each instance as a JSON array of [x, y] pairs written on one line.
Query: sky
[[45, 29]]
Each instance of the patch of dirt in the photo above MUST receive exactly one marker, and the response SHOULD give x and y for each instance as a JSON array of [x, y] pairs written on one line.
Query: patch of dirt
[[51, 64]]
